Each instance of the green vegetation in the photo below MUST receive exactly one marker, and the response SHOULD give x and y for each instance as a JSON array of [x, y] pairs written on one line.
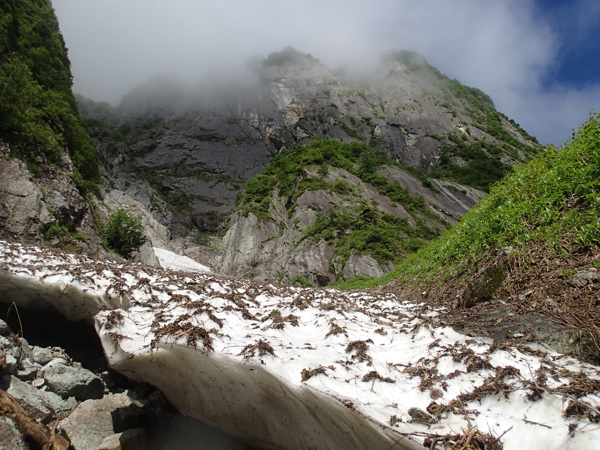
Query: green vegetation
[[551, 202], [363, 229], [287, 54], [359, 229], [480, 171], [61, 232], [481, 109], [287, 175], [300, 280], [38, 112], [124, 233]]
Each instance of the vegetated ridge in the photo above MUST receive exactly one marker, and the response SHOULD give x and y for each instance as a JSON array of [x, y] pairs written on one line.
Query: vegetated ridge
[[50, 187], [48, 163], [528, 252], [328, 211]]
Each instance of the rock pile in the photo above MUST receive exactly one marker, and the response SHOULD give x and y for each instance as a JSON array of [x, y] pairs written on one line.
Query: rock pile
[[47, 400]]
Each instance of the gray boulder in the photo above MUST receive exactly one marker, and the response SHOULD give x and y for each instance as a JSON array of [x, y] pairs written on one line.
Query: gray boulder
[[28, 371], [95, 420], [69, 381], [4, 330], [8, 363], [40, 405], [585, 277], [42, 355]]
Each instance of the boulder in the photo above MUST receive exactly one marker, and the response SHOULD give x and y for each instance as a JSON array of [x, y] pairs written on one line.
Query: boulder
[[483, 286], [41, 405], [28, 371], [69, 381], [42, 355], [8, 363], [95, 420], [4, 330], [585, 277]]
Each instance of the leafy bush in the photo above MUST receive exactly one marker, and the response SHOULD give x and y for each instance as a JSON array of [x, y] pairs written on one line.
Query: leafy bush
[[124, 233], [300, 280]]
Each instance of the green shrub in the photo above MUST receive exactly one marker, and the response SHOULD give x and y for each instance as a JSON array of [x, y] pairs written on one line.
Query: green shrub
[[300, 280], [124, 233]]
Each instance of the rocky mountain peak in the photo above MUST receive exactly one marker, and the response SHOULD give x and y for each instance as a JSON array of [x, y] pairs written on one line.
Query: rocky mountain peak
[[186, 154]]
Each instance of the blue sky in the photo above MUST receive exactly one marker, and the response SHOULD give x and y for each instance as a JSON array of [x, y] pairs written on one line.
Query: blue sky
[[539, 60], [577, 24]]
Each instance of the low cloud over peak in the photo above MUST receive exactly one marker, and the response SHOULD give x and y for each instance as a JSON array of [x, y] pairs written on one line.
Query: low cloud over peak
[[507, 49]]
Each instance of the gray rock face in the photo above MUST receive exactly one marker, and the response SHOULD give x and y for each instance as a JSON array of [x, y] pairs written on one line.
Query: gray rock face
[[69, 381], [185, 155], [279, 248], [30, 206]]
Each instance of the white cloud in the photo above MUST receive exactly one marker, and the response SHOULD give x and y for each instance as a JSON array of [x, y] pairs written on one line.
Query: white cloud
[[504, 48]]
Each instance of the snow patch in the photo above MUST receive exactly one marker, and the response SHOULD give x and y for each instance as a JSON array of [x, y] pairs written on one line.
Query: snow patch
[[173, 261], [285, 367]]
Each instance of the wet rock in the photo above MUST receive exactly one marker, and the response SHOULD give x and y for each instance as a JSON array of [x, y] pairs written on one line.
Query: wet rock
[[69, 381], [40, 405], [10, 437], [585, 277], [94, 420]]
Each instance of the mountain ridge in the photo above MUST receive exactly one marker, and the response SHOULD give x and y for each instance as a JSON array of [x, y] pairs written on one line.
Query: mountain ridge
[[187, 154]]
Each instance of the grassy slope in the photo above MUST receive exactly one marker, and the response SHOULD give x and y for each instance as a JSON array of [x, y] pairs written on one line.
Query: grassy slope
[[552, 202]]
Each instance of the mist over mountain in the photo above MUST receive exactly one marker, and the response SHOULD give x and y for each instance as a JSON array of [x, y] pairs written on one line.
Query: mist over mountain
[[186, 151]]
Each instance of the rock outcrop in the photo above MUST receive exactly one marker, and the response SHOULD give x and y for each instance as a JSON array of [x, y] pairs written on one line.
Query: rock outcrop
[[281, 247], [45, 208]]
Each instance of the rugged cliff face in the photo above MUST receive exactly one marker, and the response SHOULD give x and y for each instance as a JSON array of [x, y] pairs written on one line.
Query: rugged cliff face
[[329, 211], [186, 154]]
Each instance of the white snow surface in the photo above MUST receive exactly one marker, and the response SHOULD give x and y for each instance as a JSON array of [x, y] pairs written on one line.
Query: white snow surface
[[172, 261], [290, 368]]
